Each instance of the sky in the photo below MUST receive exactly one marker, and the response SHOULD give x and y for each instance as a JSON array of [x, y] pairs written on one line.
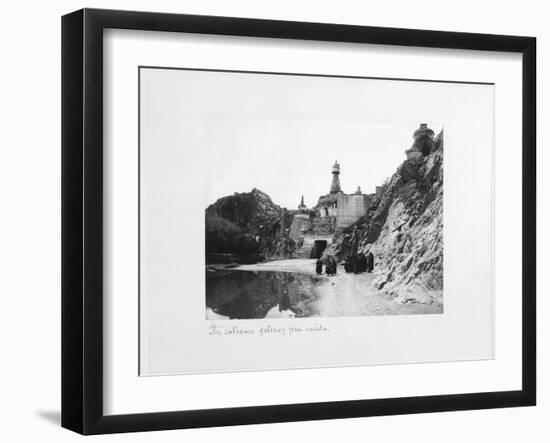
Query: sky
[[231, 132], [290, 158]]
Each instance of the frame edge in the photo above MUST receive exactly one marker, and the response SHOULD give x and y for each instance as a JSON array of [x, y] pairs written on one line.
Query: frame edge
[[82, 376], [529, 220], [72, 252]]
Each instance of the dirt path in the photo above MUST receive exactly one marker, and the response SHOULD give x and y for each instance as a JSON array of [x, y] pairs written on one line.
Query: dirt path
[[346, 294]]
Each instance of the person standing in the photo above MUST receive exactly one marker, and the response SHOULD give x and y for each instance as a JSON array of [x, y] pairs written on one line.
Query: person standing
[[330, 266], [355, 265], [319, 266], [370, 262], [347, 265], [362, 263]]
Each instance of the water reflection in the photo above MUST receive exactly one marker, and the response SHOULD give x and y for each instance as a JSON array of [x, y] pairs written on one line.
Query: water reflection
[[245, 294], [271, 294]]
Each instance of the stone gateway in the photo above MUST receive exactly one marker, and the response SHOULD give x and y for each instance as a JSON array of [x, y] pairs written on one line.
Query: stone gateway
[[313, 229]]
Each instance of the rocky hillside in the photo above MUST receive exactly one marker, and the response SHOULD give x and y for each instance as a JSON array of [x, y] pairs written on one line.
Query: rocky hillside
[[405, 233], [247, 223], [248, 210]]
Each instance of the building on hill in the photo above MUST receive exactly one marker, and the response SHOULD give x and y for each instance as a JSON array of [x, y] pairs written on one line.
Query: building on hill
[[301, 223], [423, 143], [341, 209], [313, 229]]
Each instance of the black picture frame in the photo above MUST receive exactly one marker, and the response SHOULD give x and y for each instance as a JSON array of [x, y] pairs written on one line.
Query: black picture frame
[[82, 220]]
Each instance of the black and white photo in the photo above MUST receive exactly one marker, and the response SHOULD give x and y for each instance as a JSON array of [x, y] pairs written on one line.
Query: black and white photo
[[353, 253], [269, 220], [280, 210]]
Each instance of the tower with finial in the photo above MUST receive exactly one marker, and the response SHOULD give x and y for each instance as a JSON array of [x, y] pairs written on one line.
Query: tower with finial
[[300, 223], [335, 186], [302, 207]]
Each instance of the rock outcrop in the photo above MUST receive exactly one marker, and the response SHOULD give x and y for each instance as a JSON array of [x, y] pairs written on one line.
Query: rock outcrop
[[248, 223], [251, 211]]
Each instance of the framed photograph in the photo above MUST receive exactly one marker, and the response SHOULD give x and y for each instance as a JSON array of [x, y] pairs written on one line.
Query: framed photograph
[[269, 221]]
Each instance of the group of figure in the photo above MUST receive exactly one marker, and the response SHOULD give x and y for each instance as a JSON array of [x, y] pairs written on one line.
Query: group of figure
[[360, 263], [357, 263], [330, 267]]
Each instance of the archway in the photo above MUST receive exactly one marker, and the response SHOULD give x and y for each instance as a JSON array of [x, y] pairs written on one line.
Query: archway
[[318, 248]]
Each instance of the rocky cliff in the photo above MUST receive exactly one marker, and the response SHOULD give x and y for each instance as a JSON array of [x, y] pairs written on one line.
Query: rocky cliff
[[248, 223], [249, 210], [405, 232]]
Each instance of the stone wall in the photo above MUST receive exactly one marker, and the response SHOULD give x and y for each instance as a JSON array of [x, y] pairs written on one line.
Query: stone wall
[[323, 225], [350, 209], [328, 209], [300, 224]]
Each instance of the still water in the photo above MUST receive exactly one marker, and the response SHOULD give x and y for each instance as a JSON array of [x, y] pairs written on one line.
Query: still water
[[237, 294]]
